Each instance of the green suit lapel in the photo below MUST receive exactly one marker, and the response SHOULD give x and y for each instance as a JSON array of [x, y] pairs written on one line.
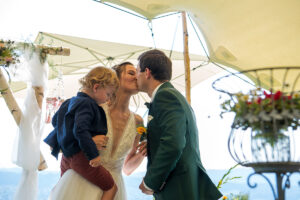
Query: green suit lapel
[[151, 115], [163, 86]]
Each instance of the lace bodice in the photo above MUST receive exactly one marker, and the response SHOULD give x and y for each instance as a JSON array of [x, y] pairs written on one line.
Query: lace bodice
[[115, 161]]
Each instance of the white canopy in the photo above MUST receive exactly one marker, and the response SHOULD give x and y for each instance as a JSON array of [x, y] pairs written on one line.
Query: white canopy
[[241, 34], [86, 53]]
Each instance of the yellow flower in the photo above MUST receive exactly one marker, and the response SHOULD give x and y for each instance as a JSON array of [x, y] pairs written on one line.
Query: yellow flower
[[224, 197], [245, 97], [296, 95], [141, 130]]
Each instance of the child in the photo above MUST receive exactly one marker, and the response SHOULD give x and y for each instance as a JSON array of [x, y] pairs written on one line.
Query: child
[[77, 121]]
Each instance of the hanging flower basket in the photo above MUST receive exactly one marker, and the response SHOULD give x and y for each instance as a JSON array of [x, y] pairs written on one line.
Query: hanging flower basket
[[267, 114]]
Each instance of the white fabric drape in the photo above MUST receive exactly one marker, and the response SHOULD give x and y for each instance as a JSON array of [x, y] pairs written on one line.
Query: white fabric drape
[[26, 152]]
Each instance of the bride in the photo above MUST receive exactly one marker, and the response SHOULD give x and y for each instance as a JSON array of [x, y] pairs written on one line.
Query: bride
[[121, 148]]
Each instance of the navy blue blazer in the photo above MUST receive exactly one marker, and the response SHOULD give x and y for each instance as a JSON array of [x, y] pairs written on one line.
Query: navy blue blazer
[[75, 123]]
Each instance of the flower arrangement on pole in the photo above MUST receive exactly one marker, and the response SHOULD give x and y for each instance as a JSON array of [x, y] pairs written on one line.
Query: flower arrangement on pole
[[8, 53]]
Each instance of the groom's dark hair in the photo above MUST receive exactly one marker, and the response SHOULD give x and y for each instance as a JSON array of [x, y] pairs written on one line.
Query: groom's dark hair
[[158, 63]]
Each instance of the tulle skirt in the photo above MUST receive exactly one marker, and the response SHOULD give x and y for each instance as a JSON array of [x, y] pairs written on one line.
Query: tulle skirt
[[72, 186]]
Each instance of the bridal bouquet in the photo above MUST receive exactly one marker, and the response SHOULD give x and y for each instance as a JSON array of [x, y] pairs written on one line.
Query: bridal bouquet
[[262, 111], [142, 131], [8, 53]]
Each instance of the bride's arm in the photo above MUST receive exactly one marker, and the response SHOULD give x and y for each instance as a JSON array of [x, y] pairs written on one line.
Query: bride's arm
[[135, 157]]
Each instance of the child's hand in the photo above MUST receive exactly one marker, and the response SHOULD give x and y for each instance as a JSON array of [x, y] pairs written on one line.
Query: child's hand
[[95, 162], [100, 141]]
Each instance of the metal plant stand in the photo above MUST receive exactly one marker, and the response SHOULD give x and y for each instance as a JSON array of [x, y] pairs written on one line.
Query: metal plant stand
[[282, 170], [264, 132]]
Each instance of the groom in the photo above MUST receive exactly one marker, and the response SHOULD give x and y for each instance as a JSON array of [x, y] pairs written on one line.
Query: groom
[[174, 169]]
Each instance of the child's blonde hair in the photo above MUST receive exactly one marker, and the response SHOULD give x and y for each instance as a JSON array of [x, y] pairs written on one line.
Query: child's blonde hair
[[103, 76]]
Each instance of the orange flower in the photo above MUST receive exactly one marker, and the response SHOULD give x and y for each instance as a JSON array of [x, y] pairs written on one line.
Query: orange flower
[[141, 130], [224, 197]]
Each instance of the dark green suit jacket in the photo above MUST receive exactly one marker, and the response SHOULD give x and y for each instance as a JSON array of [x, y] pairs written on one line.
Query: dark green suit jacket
[[174, 169]]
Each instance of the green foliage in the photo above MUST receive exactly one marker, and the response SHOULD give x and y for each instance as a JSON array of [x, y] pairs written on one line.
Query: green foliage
[[33, 49], [264, 112], [238, 197], [225, 177]]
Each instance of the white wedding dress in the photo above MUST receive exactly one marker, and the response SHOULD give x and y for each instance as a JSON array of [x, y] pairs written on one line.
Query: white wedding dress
[[72, 186]]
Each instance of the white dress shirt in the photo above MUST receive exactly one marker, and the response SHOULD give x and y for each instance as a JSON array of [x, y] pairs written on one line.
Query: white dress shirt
[[155, 91]]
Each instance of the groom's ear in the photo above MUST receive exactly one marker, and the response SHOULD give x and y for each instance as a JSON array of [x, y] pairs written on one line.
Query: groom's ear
[[148, 73]]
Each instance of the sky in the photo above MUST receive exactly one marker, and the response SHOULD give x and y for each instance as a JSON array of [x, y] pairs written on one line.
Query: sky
[[22, 20]]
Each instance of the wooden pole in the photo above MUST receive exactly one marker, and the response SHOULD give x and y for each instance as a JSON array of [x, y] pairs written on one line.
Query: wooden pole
[[15, 109], [44, 49], [9, 99], [54, 50], [186, 59], [39, 93]]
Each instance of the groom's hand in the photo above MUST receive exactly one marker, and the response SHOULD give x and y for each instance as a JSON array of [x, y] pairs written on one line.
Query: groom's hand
[[144, 189], [142, 148]]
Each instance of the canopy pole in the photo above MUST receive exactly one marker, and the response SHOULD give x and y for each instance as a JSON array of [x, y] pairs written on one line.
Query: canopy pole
[[186, 58]]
